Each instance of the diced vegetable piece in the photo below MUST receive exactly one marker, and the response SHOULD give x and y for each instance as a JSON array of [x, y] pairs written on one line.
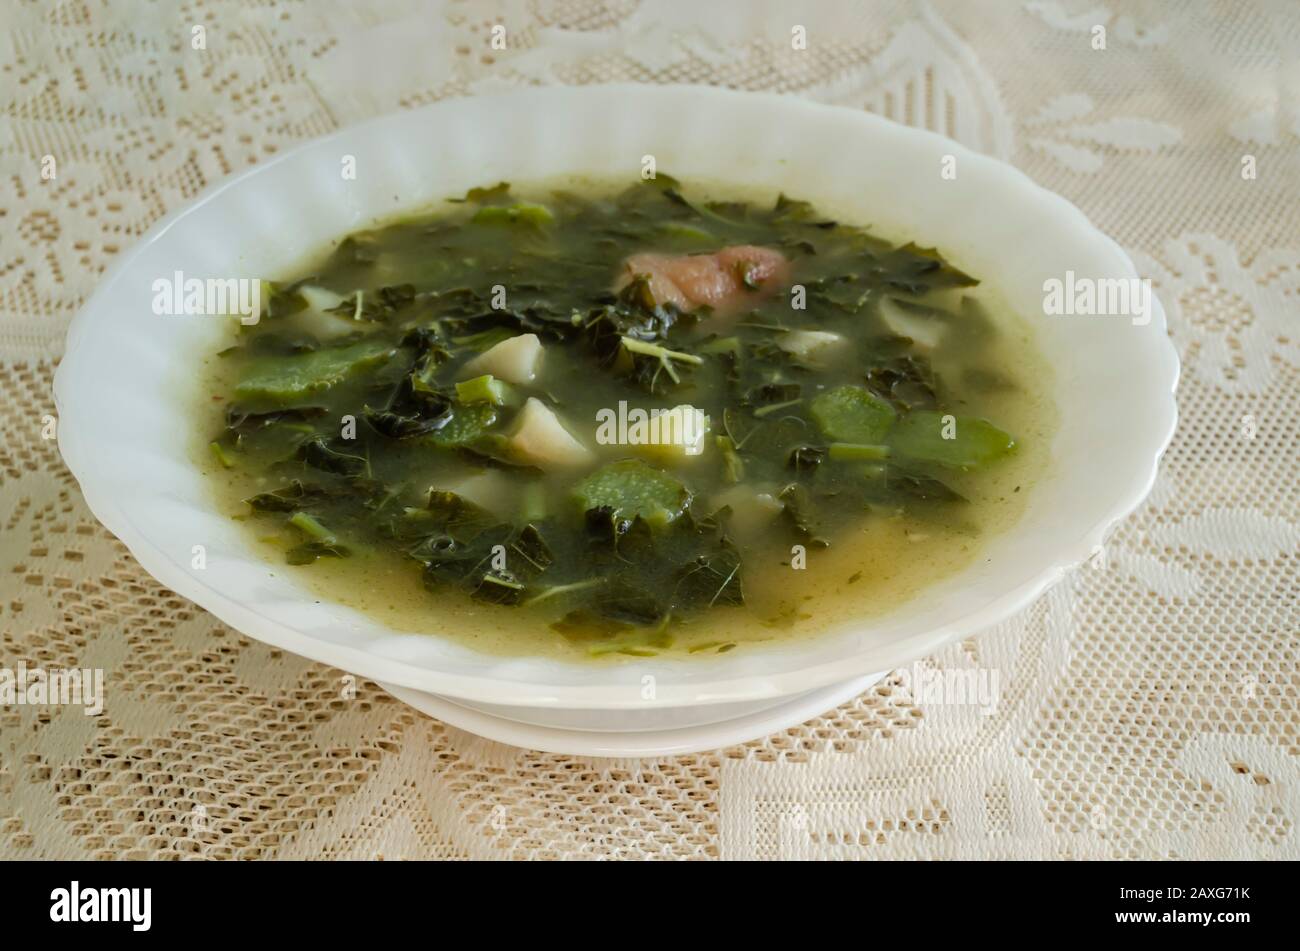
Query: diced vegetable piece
[[491, 489], [318, 298], [752, 508], [320, 319], [733, 467], [325, 326], [924, 325], [484, 340], [310, 526], [286, 379], [974, 442], [852, 414], [522, 213], [483, 389], [631, 488], [676, 433], [466, 425], [540, 438], [806, 344], [515, 360], [219, 451]]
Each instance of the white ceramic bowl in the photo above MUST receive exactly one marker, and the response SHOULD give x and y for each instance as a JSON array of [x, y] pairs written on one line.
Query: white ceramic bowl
[[124, 433]]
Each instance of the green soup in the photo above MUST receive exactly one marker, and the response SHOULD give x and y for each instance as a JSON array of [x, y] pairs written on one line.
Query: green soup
[[625, 421]]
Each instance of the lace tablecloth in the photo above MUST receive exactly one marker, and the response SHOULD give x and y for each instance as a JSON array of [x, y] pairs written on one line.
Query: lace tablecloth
[[1147, 706]]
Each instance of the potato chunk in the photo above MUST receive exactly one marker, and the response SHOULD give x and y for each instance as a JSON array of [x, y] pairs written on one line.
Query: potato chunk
[[926, 327], [676, 433], [806, 344], [540, 438], [490, 489], [515, 360], [753, 508]]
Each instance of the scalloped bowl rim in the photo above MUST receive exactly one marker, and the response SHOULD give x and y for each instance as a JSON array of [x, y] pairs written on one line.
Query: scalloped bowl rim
[[114, 494]]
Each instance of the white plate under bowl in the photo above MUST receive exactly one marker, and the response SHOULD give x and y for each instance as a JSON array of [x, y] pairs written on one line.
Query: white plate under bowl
[[125, 434], [640, 733]]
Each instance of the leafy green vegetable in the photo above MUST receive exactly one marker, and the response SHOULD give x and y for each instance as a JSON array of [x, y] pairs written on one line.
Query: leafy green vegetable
[[500, 586], [532, 548], [384, 304], [320, 541], [291, 498], [458, 517], [917, 270], [799, 514], [905, 380], [901, 484], [523, 213], [243, 421], [464, 545], [631, 489], [484, 389], [962, 442], [467, 424], [710, 579], [851, 414], [733, 465], [321, 454], [603, 634], [286, 379]]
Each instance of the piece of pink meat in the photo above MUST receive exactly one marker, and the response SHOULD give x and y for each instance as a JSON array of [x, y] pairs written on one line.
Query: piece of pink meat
[[718, 280]]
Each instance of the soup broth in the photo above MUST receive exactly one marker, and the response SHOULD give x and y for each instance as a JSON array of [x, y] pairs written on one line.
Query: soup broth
[[608, 421]]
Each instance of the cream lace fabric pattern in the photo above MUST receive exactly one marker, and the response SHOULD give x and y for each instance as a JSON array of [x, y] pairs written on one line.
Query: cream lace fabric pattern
[[1146, 707]]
